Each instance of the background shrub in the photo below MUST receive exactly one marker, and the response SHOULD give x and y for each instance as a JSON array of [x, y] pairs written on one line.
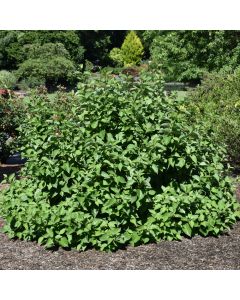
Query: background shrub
[[116, 56], [216, 102], [49, 64], [7, 80], [185, 55], [88, 66], [31, 82], [117, 163]]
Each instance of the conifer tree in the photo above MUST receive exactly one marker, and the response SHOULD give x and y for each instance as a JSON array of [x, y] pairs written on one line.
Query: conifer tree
[[132, 49]]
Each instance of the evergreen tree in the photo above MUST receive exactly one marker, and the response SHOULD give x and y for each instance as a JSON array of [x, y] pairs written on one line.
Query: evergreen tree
[[132, 49]]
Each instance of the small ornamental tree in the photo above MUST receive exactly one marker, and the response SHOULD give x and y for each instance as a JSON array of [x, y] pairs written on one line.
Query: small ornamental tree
[[132, 49]]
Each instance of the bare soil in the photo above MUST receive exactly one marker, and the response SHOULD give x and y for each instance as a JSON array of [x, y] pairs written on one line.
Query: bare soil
[[197, 253]]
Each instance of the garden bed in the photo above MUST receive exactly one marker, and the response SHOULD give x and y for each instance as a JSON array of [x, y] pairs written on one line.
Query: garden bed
[[191, 254]]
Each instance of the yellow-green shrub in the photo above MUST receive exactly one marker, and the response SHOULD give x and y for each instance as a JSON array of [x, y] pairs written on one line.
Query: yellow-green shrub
[[131, 51]]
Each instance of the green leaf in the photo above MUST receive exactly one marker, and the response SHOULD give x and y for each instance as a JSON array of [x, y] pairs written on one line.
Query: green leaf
[[66, 167], [62, 231], [187, 229], [94, 124], [148, 101], [65, 189], [120, 166], [181, 162], [50, 232], [216, 176], [152, 192], [121, 179], [63, 242], [155, 168], [166, 140], [194, 158], [49, 243], [41, 239], [171, 162], [78, 152], [105, 175], [104, 237], [135, 237]]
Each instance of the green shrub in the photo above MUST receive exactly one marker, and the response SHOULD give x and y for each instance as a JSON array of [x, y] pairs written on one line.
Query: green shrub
[[88, 66], [217, 103], [46, 64], [31, 82], [117, 163], [7, 80], [116, 56], [185, 55], [175, 55], [46, 50]]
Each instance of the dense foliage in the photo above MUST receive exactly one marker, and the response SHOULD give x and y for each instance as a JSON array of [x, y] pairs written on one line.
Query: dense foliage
[[187, 54], [182, 55], [13, 43], [117, 163], [217, 103], [81, 44], [47, 64], [91, 45]]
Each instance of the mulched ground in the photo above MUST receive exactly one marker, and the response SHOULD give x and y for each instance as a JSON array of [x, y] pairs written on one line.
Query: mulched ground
[[198, 253]]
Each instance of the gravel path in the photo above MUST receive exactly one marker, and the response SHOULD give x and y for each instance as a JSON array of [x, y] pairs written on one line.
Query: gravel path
[[220, 253]]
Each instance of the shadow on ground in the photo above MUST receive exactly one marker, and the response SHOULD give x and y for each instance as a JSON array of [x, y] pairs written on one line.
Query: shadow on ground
[[12, 165]]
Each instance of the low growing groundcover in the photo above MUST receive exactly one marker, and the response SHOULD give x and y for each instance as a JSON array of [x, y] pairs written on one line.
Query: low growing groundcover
[[114, 164]]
